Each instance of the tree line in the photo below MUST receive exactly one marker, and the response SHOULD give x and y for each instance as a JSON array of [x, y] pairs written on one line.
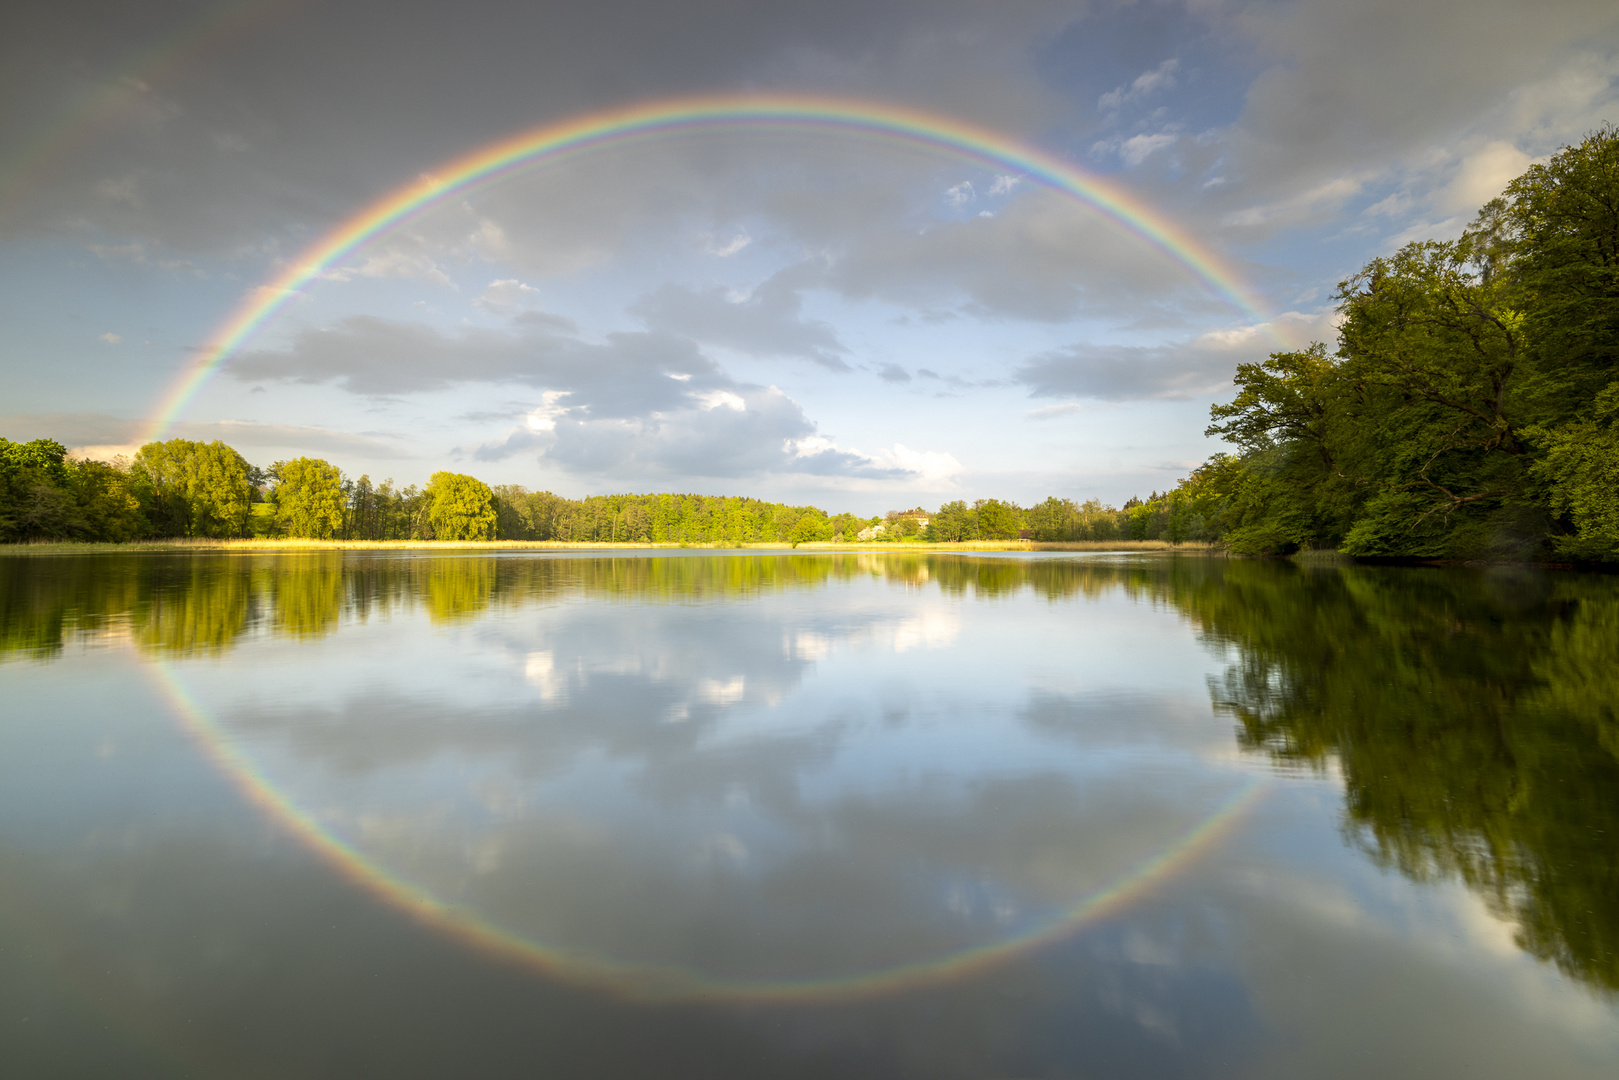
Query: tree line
[[183, 488], [1471, 407]]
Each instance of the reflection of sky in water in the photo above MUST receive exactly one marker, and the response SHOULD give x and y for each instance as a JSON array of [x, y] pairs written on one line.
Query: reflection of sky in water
[[817, 780], [821, 783]]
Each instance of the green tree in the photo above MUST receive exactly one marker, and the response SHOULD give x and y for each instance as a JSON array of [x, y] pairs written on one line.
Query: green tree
[[1581, 466], [1053, 519], [954, 523], [309, 498], [460, 507], [810, 526], [998, 520], [194, 488], [1467, 410], [36, 501], [108, 505]]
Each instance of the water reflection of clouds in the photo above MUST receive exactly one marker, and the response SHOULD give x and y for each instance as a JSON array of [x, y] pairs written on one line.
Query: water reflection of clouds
[[725, 787]]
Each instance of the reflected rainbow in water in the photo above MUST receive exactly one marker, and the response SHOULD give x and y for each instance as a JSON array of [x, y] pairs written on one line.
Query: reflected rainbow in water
[[635, 981]]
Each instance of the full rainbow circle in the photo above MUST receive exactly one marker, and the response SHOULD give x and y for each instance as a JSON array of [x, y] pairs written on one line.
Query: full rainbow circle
[[662, 118], [662, 983]]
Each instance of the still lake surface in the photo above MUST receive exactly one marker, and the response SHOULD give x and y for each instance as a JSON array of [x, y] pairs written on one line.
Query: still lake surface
[[403, 814]]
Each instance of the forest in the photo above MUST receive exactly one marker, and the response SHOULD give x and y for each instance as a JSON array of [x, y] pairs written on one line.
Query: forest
[[181, 488], [1470, 410]]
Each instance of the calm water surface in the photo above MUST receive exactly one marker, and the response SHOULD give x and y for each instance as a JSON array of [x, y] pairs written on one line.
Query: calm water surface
[[410, 815]]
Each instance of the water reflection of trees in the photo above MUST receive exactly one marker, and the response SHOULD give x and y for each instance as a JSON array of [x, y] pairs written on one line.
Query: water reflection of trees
[[1474, 715], [205, 602]]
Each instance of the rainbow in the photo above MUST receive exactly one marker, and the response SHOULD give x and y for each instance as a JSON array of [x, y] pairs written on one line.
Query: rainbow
[[923, 130], [659, 983]]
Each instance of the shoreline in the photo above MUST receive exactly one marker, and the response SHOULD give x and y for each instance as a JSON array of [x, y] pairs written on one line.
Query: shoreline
[[272, 546]]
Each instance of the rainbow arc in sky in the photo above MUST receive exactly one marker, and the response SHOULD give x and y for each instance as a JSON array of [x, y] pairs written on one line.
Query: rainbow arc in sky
[[665, 118]]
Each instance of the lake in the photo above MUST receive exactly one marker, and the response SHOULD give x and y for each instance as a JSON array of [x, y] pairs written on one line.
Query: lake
[[401, 814]]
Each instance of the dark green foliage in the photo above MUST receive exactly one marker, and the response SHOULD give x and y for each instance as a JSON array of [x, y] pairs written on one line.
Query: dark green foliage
[[1470, 714], [1468, 411], [44, 495]]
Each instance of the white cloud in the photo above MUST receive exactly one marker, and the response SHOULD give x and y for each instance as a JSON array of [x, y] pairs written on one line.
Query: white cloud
[[1052, 412], [1391, 206], [717, 399], [111, 338], [1003, 185], [929, 465], [412, 266], [508, 295], [1480, 177], [728, 248], [1302, 206], [1161, 77], [544, 417], [1139, 148], [960, 195]]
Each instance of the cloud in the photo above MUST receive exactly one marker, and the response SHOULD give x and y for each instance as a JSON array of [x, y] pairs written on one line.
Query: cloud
[[748, 431], [111, 338], [768, 322], [1303, 206], [893, 373], [927, 465], [725, 250], [137, 254], [1202, 366], [544, 416], [1480, 177], [1052, 412], [626, 374], [960, 194], [393, 263], [1139, 148], [1159, 78], [745, 431], [1041, 258], [1355, 94], [635, 405], [507, 296]]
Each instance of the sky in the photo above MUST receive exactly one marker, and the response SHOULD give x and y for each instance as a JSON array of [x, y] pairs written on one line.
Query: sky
[[815, 313]]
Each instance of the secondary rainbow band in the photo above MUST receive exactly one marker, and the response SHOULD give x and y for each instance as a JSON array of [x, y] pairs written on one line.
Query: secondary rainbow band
[[658, 983], [895, 123]]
